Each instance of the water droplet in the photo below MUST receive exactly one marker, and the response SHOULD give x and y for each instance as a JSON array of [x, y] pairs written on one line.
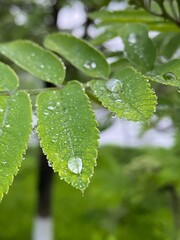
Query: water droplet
[[178, 89], [4, 162], [75, 165], [132, 38], [46, 113], [113, 115], [51, 108], [89, 65], [7, 125], [1, 110], [49, 164], [169, 76], [114, 85], [58, 103], [54, 139]]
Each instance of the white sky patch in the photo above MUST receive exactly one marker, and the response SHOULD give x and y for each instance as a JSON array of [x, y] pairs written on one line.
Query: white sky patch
[[115, 44], [71, 16]]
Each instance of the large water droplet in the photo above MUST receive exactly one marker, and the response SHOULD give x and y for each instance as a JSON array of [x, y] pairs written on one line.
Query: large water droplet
[[89, 65], [75, 165], [114, 85], [132, 38], [169, 76]]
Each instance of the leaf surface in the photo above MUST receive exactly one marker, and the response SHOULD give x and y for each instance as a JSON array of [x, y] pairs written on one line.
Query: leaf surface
[[79, 53], [138, 46], [129, 95], [68, 132], [8, 79], [34, 59], [15, 129], [167, 73]]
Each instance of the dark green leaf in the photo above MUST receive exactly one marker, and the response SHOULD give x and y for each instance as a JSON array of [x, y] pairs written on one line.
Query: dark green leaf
[[129, 95], [35, 59], [68, 132], [15, 129], [79, 53]]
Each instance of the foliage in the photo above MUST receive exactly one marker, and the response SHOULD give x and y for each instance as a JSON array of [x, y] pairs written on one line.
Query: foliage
[[86, 75]]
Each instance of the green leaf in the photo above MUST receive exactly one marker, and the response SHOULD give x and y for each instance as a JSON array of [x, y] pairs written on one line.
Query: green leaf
[[129, 95], [68, 132], [9, 80], [15, 129], [79, 53], [124, 16], [167, 73], [36, 60], [138, 46]]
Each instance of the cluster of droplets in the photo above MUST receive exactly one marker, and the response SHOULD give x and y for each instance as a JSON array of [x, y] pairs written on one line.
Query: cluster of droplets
[[89, 65]]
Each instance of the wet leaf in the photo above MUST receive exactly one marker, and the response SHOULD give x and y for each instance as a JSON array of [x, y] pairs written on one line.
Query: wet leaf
[[167, 73], [8, 79], [138, 46], [68, 132], [128, 95], [15, 129], [79, 53], [36, 60]]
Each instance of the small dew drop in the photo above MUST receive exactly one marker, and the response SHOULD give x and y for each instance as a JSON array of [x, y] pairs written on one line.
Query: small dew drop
[[50, 108], [113, 115], [7, 125], [75, 165], [46, 113], [1, 110], [169, 76], [132, 38], [178, 89], [49, 164], [89, 65], [114, 85], [4, 162]]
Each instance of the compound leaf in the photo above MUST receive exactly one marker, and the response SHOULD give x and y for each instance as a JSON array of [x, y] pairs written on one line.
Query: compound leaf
[[68, 132], [34, 59], [128, 95], [15, 129], [79, 53], [8, 79]]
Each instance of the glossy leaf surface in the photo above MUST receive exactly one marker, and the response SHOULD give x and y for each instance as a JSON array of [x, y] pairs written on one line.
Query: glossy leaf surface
[[129, 95], [36, 60], [68, 132], [79, 53], [15, 129], [8, 79]]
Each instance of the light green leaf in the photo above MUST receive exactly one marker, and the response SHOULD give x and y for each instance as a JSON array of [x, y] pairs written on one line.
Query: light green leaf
[[129, 95], [167, 73], [138, 46], [15, 129], [36, 60], [68, 132], [79, 53], [8, 79]]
